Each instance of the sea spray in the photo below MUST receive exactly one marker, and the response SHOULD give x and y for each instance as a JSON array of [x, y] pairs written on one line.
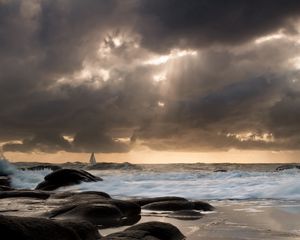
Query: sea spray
[[20, 178], [6, 168], [194, 185]]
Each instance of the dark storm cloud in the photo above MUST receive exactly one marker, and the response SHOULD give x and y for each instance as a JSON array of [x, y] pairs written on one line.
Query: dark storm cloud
[[195, 23], [76, 69]]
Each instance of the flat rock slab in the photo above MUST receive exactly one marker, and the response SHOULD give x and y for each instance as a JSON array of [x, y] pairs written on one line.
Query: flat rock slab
[[44, 229], [24, 194]]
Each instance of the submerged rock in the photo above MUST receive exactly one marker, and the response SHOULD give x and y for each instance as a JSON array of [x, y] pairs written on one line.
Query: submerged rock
[[172, 204], [287, 167], [186, 215], [44, 229], [169, 206], [148, 231], [220, 170], [66, 177], [109, 166], [42, 167], [144, 201]]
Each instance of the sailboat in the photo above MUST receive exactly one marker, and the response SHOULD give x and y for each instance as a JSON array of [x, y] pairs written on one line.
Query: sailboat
[[93, 159]]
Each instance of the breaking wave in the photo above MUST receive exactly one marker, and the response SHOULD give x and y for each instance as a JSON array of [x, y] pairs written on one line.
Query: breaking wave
[[192, 184], [203, 185]]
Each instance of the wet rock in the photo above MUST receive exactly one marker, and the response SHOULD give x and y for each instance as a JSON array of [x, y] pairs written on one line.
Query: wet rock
[[89, 197], [102, 194], [42, 167], [44, 229], [130, 235], [99, 214], [148, 231], [186, 215], [159, 230], [5, 188], [85, 230], [127, 212], [5, 181], [127, 208], [203, 206], [66, 177], [130, 220], [24, 194], [144, 201], [220, 170], [109, 166], [287, 167], [169, 206]]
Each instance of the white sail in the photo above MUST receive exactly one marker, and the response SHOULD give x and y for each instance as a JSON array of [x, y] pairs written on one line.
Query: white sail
[[93, 159]]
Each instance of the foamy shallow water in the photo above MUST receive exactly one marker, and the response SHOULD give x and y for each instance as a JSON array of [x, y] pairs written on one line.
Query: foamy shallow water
[[192, 184]]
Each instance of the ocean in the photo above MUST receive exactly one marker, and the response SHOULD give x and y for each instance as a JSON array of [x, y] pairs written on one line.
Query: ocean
[[252, 201], [192, 181]]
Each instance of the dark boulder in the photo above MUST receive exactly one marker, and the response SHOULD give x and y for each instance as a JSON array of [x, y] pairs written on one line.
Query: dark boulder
[[148, 231], [24, 194], [66, 177], [85, 230], [107, 211], [127, 208], [203, 206], [43, 229], [169, 206], [99, 214], [101, 194], [144, 201]]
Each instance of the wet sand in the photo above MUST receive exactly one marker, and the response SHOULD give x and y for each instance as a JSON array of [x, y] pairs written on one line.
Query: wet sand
[[235, 219], [264, 219]]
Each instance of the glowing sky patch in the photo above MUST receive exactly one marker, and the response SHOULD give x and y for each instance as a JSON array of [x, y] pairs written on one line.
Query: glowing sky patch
[[250, 136], [270, 38], [174, 54]]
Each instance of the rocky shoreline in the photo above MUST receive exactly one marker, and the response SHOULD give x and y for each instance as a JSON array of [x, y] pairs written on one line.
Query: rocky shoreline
[[45, 214]]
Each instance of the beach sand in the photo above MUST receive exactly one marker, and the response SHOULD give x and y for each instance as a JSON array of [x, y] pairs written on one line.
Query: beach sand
[[264, 219], [232, 219]]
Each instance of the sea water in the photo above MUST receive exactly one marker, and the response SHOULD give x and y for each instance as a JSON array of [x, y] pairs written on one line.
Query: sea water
[[184, 181]]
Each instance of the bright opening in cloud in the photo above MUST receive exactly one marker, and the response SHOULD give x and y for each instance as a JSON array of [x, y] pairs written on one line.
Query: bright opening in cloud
[[174, 54], [160, 77], [161, 104], [250, 136]]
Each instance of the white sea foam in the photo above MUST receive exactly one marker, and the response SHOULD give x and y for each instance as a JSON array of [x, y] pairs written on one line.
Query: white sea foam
[[192, 184], [28, 179], [195, 185]]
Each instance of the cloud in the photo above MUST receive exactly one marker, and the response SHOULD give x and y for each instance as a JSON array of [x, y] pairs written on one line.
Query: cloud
[[83, 69], [199, 23]]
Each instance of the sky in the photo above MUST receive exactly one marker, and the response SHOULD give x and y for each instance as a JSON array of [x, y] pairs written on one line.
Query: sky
[[150, 80]]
